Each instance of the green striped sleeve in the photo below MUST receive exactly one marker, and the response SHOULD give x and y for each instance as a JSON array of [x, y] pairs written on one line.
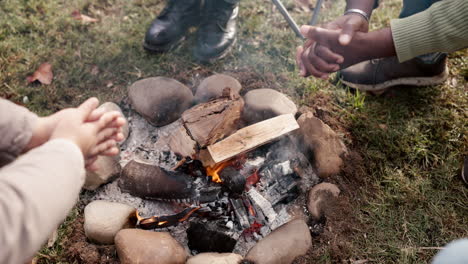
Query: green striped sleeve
[[443, 27]]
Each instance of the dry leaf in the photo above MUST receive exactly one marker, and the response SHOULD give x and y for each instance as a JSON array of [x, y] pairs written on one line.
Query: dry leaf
[[43, 74], [304, 5], [95, 70], [78, 16], [52, 239]]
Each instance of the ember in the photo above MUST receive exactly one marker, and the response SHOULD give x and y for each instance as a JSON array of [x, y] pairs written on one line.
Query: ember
[[214, 172]]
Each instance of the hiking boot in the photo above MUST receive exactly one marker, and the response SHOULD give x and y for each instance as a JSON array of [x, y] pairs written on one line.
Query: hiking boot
[[169, 28], [217, 31], [377, 76]]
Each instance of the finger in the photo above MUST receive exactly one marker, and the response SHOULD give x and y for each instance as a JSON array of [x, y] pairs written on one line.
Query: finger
[[327, 55], [302, 70], [347, 34], [111, 152], [317, 34], [95, 115], [118, 122], [87, 107], [118, 137], [322, 65], [102, 147], [107, 119], [308, 59], [106, 133]]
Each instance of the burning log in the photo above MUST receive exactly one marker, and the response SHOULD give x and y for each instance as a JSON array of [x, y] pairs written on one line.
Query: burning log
[[152, 182], [165, 221], [251, 137], [233, 180], [178, 141], [214, 120], [209, 238]]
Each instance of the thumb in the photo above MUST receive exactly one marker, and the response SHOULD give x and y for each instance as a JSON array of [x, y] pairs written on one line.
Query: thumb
[[347, 34], [86, 108]]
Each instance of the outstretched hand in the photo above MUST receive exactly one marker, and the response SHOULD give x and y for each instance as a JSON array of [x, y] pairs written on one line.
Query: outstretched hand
[[93, 131]]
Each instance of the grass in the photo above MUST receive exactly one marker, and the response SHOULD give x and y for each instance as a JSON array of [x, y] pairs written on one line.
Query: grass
[[412, 141]]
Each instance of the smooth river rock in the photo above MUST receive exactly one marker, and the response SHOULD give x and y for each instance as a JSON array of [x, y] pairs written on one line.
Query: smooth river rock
[[215, 258], [327, 146], [160, 100], [108, 168], [147, 247], [318, 196], [212, 87], [262, 104], [103, 220], [283, 245], [110, 106]]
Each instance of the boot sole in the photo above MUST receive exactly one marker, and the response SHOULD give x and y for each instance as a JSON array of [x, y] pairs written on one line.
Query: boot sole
[[219, 57], [162, 49], [381, 88]]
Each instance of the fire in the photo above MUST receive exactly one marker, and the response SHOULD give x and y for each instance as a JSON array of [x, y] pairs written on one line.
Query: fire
[[213, 171]]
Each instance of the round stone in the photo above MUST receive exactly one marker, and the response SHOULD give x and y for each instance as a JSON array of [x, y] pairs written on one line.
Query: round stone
[[262, 104], [215, 258], [103, 220], [213, 86], [147, 247], [108, 168], [283, 245], [160, 100], [318, 195], [110, 106]]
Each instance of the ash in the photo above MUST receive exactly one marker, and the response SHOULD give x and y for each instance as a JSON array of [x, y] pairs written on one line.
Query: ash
[[238, 221]]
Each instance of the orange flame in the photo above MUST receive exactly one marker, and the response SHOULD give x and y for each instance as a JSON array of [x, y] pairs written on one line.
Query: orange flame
[[213, 172]]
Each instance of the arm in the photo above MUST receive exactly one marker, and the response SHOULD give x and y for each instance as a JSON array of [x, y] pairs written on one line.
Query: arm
[[16, 130], [442, 27], [37, 192]]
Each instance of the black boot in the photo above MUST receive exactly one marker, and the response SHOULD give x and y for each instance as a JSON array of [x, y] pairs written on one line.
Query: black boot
[[217, 31], [170, 27]]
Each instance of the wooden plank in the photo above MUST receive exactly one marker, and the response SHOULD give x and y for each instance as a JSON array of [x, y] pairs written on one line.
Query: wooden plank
[[253, 136]]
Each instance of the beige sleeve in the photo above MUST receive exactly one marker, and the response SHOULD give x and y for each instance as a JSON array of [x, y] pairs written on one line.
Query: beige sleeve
[[16, 126], [443, 28], [37, 192]]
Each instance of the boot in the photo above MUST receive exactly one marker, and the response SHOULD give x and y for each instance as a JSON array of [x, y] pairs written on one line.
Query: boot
[[379, 75], [170, 27], [217, 31]]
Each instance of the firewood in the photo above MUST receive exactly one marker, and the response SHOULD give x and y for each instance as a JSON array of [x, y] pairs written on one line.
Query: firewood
[[214, 120], [178, 141], [252, 137]]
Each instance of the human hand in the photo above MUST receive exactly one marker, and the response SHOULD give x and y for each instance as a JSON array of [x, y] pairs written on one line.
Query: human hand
[[322, 57], [94, 132]]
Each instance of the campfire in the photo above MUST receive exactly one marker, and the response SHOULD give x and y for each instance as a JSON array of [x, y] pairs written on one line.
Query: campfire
[[215, 181]]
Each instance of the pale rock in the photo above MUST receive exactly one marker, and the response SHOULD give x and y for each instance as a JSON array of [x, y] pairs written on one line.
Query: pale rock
[[103, 220], [213, 86], [108, 168], [110, 106], [215, 258], [160, 100], [147, 247], [283, 245], [262, 104], [318, 196], [326, 145]]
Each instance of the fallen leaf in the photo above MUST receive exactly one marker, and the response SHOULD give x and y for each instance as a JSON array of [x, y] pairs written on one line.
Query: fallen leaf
[[43, 74], [305, 5], [52, 239], [95, 70], [86, 19], [109, 84]]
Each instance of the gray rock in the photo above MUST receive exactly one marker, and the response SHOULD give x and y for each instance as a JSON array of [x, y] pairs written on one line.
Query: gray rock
[[160, 100], [327, 146], [318, 196], [283, 245], [108, 168], [213, 86], [103, 220], [109, 106], [262, 104], [215, 258], [147, 247]]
